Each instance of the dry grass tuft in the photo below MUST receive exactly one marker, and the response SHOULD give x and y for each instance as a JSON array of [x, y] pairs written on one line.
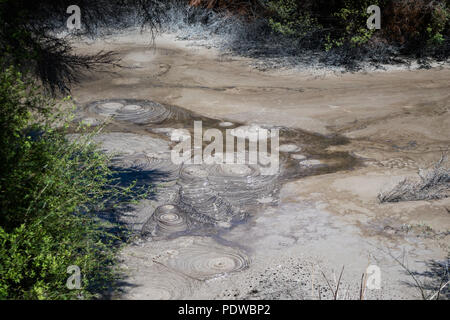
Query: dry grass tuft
[[434, 184]]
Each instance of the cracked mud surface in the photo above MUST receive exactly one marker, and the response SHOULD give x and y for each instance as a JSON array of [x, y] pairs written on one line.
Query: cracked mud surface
[[343, 138]]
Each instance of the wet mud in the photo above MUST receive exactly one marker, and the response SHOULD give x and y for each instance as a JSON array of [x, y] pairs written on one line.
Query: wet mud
[[204, 198]]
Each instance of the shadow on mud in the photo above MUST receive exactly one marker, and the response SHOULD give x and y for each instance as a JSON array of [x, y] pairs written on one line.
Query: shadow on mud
[[433, 283]]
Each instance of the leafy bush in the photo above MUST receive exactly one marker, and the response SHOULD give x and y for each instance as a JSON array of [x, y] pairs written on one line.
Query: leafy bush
[[421, 20], [338, 22], [289, 20], [353, 20], [50, 189], [414, 26]]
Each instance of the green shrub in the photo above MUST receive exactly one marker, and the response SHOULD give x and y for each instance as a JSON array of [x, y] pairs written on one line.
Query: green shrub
[[50, 190], [337, 22], [352, 18], [289, 20], [414, 24], [440, 18], [417, 22]]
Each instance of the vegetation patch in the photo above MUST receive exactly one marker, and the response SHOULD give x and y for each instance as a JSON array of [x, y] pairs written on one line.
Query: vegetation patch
[[337, 30], [51, 190]]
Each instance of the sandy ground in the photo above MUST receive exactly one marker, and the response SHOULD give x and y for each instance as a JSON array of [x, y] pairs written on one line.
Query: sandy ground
[[397, 122]]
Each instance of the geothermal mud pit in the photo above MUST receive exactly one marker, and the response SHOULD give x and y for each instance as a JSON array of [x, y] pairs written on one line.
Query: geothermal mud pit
[[226, 230], [192, 201], [201, 198]]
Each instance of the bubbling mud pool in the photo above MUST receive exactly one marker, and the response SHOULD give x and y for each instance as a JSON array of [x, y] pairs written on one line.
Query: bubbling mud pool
[[202, 200], [175, 269], [203, 260]]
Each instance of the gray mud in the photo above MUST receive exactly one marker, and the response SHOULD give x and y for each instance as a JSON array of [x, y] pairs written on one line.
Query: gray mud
[[200, 199]]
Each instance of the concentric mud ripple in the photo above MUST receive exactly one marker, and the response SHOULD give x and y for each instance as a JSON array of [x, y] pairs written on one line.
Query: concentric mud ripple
[[209, 196], [139, 157], [130, 143], [193, 172], [198, 197], [251, 132], [158, 167], [136, 111], [241, 184], [222, 192], [233, 170], [203, 260], [289, 148], [160, 283], [165, 221]]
